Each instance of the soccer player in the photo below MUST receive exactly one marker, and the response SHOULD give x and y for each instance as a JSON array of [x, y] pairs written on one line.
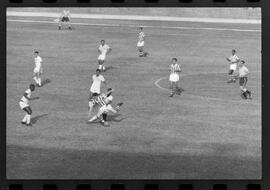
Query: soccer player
[[103, 50], [243, 73], [97, 79], [104, 101], [174, 77], [140, 44], [65, 17], [234, 60], [38, 69], [24, 105]]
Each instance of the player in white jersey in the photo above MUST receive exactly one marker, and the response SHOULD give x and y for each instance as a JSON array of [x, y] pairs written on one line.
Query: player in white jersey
[[24, 104], [64, 17], [104, 101], [140, 44], [174, 77], [242, 75], [103, 50], [234, 60], [97, 80], [38, 70]]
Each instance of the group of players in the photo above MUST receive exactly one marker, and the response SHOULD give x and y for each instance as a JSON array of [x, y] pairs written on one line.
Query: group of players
[[103, 101]]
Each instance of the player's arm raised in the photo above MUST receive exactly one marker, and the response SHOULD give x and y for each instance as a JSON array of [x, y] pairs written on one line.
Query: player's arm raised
[[228, 59]]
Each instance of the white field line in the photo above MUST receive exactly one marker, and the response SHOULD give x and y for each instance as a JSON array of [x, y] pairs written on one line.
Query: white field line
[[205, 97], [135, 26], [137, 17]]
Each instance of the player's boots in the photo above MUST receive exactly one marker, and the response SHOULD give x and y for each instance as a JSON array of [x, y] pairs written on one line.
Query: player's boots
[[249, 94], [244, 95]]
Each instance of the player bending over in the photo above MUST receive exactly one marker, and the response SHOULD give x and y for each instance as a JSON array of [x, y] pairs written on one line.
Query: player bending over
[[64, 18], [234, 60], [38, 69], [24, 105], [243, 73], [103, 50], [174, 77], [104, 101], [140, 44]]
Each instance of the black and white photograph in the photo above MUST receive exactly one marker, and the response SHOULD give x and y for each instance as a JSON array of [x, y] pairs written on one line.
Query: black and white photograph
[[133, 93]]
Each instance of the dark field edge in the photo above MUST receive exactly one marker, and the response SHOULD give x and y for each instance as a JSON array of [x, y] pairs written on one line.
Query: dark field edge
[[139, 184]]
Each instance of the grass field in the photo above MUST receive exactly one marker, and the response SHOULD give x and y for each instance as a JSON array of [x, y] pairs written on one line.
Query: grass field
[[208, 132]]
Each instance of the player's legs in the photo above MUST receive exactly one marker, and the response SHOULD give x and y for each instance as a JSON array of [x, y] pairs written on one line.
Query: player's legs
[[101, 64], [245, 93], [36, 77], [173, 89], [27, 118], [39, 79]]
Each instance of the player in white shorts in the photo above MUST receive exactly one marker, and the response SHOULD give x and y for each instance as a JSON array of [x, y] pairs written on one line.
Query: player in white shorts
[[242, 75], [38, 70], [64, 17], [174, 77], [97, 80], [24, 104], [103, 50], [104, 101], [140, 44], [234, 60]]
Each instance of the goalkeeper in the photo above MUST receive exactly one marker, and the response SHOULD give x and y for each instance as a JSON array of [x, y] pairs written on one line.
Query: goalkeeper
[[105, 108]]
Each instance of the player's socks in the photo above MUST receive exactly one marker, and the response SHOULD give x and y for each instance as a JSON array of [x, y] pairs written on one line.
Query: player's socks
[[35, 79], [104, 116], [39, 81], [28, 119], [93, 118]]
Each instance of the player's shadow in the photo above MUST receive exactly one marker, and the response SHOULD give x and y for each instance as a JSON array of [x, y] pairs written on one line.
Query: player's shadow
[[110, 68], [36, 118], [46, 81], [115, 118]]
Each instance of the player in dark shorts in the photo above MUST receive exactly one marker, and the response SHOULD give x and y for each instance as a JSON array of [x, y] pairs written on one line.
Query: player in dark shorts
[[65, 17], [243, 72]]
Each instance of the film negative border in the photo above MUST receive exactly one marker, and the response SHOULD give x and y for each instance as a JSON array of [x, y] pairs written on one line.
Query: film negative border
[[144, 184], [137, 3]]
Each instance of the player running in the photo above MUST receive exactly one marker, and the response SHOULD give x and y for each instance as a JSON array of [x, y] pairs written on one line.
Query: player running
[[243, 73], [174, 77], [103, 50], [104, 102], [24, 105], [234, 60], [140, 44], [38, 69], [64, 17]]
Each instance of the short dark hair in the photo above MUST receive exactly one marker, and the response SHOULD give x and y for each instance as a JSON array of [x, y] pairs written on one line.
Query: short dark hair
[[32, 86], [141, 27], [36, 52], [174, 59], [98, 70], [242, 61], [102, 40]]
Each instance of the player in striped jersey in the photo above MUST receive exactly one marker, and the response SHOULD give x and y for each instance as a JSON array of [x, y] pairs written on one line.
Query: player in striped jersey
[[140, 44], [174, 77], [104, 101]]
